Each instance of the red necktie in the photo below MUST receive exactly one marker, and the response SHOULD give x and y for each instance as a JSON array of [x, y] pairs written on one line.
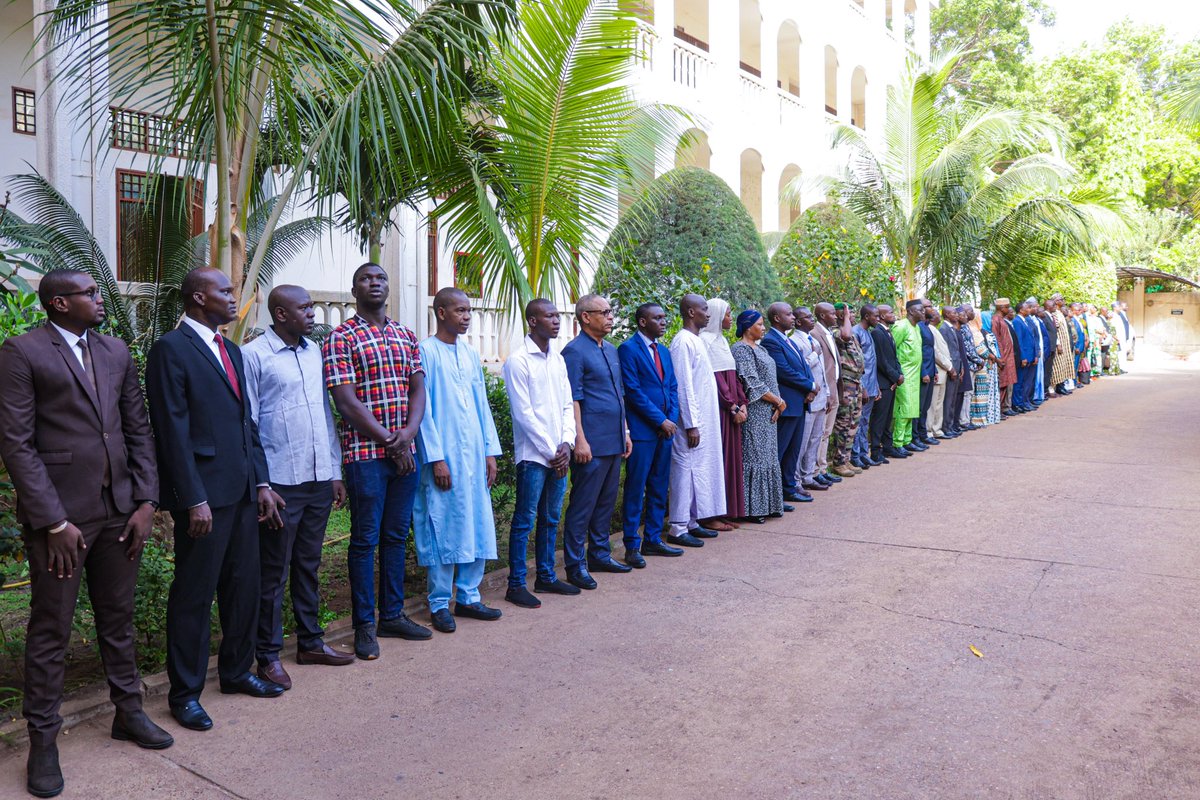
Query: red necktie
[[230, 372], [657, 361]]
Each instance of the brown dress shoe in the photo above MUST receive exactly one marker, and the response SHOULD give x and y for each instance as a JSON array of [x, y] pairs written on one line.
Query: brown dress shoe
[[844, 470], [326, 656], [273, 671]]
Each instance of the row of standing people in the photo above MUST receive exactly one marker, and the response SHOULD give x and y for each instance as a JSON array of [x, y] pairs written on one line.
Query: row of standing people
[[241, 447]]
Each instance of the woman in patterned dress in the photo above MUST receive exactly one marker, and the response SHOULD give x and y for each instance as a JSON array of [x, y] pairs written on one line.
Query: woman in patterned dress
[[762, 480], [979, 395], [993, 370]]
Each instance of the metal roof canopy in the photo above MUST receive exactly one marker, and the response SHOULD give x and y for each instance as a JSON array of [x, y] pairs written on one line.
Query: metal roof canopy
[[1154, 274]]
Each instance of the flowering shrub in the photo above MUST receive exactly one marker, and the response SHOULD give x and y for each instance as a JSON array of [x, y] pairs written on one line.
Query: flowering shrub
[[830, 256]]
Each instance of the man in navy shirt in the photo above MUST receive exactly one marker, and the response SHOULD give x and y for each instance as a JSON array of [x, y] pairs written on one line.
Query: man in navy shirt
[[601, 443]]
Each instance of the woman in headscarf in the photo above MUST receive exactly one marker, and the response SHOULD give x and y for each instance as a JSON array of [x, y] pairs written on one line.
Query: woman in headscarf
[[733, 409], [979, 395], [762, 479], [993, 369]]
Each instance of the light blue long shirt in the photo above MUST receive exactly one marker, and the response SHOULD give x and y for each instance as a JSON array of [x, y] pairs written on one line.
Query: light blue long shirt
[[455, 526], [870, 377]]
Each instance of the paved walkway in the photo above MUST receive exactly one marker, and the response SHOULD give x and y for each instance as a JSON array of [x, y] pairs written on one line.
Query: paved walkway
[[826, 655]]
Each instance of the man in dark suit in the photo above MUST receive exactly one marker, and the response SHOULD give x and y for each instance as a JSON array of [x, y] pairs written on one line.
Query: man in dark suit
[[890, 376], [652, 403], [213, 476], [796, 387], [75, 439], [928, 378], [601, 442], [1025, 353], [951, 401]]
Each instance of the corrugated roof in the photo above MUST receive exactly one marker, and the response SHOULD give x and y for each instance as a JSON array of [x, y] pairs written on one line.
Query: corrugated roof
[[1154, 274]]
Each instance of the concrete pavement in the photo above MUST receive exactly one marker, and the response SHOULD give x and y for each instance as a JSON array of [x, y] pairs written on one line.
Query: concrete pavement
[[825, 655]]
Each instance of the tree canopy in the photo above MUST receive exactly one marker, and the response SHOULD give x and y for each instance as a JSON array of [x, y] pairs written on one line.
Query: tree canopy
[[689, 223]]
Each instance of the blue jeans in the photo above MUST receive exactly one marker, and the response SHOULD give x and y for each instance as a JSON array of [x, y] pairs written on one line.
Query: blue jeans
[[862, 443], [381, 505], [539, 501]]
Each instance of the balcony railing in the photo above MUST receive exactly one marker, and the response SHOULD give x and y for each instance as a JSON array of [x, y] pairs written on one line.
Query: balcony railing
[[753, 93], [791, 110], [645, 45], [856, 8], [332, 308], [691, 66]]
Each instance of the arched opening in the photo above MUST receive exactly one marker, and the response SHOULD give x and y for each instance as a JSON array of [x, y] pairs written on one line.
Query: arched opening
[[693, 150], [788, 68], [789, 199], [858, 98], [750, 41], [752, 185], [831, 70], [691, 22]]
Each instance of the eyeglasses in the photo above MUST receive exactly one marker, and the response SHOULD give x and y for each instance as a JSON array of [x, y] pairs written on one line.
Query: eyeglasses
[[90, 293], [608, 312]]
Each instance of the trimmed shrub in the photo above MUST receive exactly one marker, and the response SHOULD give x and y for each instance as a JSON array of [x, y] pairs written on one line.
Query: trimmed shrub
[[830, 256], [1077, 280], [688, 232]]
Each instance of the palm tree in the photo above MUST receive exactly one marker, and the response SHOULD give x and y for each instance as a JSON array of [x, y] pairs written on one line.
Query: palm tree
[[954, 188], [318, 75], [555, 130]]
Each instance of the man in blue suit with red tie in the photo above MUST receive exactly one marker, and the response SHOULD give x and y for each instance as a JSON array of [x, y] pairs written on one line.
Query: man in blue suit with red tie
[[652, 406], [796, 386]]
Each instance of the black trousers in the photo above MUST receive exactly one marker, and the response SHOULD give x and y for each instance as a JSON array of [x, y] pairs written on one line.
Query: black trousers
[[1048, 373], [294, 552], [225, 563], [920, 425], [881, 418], [594, 488], [950, 403], [111, 581]]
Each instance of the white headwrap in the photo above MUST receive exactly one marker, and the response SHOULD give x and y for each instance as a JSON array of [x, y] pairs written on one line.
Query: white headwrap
[[712, 335]]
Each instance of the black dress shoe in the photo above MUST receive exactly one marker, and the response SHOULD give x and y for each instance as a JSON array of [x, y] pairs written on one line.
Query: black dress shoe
[[402, 627], [192, 716], [913, 447], [700, 532], [520, 596], [794, 498], [136, 727], [815, 486], [660, 549], [787, 508], [830, 478], [892, 452], [755, 520], [823, 478], [608, 566], [931, 441], [477, 610], [443, 622], [251, 685], [556, 587], [877, 461], [634, 559], [580, 579], [686, 540], [43, 775], [802, 497]]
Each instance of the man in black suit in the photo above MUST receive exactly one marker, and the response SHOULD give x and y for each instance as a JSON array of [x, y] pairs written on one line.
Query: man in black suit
[[890, 376], [75, 438], [213, 477]]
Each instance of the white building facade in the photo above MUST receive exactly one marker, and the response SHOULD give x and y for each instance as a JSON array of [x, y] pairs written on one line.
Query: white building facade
[[763, 80]]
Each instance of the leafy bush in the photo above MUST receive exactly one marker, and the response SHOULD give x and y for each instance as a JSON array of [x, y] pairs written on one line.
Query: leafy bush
[[830, 256], [637, 285], [688, 229]]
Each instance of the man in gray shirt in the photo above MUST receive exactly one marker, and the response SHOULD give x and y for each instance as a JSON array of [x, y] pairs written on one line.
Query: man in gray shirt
[[286, 389]]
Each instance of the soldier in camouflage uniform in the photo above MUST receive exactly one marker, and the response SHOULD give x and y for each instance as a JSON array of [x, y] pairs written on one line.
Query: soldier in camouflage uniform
[[849, 412]]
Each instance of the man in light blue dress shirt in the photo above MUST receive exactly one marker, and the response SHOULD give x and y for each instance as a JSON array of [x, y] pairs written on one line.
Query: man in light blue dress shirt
[[286, 389]]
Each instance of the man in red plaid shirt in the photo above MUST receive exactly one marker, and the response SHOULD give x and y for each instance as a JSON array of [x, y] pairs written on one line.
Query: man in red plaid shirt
[[373, 371]]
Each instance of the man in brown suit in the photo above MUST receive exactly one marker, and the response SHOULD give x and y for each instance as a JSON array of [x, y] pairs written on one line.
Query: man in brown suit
[[76, 441]]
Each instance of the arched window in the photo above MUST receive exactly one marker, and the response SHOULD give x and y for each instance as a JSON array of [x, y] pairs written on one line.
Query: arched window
[[693, 150], [752, 185], [789, 207], [691, 22], [858, 98], [831, 81], [788, 68], [750, 38]]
